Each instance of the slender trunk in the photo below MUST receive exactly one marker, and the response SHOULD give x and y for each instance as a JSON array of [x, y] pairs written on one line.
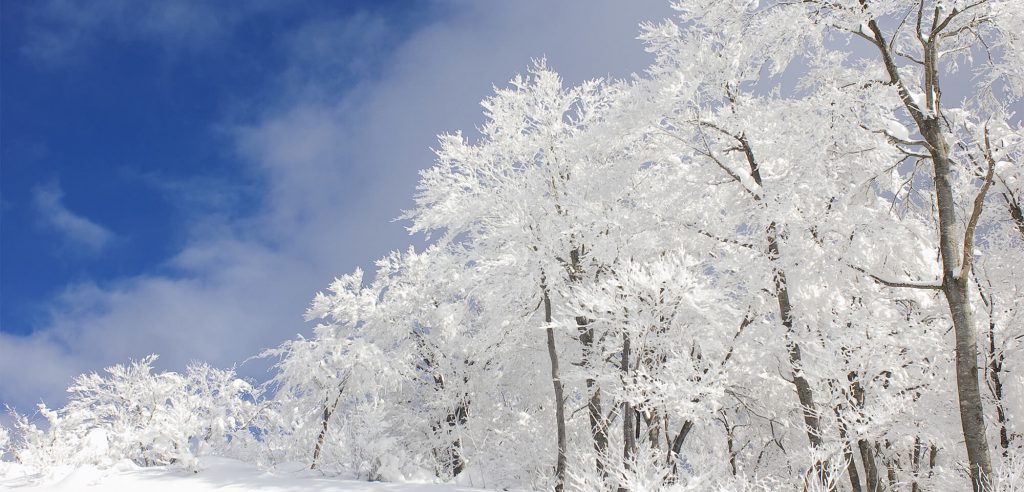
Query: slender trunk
[[851, 463], [653, 421], [894, 483], [598, 426], [730, 444], [915, 464], [803, 388], [889, 462], [556, 382], [449, 458], [328, 411], [867, 455], [652, 359], [995, 370], [628, 413], [677, 447], [933, 454], [456, 419]]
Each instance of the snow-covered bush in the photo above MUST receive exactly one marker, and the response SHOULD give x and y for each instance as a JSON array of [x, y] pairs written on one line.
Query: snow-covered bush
[[132, 413]]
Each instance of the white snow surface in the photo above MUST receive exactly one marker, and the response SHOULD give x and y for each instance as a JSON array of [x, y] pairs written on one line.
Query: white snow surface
[[215, 474]]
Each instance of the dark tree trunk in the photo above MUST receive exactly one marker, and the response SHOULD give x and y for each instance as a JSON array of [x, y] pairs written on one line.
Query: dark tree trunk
[[995, 370], [872, 481], [449, 458], [556, 382], [803, 388], [456, 419], [851, 463], [325, 420], [730, 444], [677, 447], [867, 457], [628, 414], [805, 394], [598, 426]]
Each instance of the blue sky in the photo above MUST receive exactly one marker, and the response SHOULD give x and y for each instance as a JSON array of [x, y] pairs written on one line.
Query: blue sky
[[119, 127], [180, 177]]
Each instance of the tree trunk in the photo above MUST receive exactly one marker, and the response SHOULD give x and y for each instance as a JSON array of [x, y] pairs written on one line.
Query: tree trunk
[[890, 466], [677, 447], [995, 370], [954, 274], [954, 286], [598, 425], [556, 382], [851, 463], [328, 411], [730, 444], [867, 455], [628, 414], [652, 418], [457, 417], [449, 458], [919, 450], [803, 388]]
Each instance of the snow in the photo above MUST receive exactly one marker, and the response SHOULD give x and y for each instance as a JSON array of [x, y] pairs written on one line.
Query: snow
[[897, 130], [216, 474]]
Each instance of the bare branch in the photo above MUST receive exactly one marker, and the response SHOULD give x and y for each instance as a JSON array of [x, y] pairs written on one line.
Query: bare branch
[[706, 152], [909, 57], [747, 319], [894, 75], [942, 25], [896, 32], [920, 17], [897, 284], [979, 204], [734, 242], [977, 21]]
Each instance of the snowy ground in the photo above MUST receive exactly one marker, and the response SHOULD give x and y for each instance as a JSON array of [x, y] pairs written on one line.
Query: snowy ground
[[218, 474]]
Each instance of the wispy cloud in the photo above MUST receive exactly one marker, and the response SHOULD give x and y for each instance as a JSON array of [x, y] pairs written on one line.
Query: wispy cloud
[[48, 201], [61, 30]]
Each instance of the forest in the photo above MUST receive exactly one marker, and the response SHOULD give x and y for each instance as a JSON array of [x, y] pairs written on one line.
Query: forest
[[787, 256]]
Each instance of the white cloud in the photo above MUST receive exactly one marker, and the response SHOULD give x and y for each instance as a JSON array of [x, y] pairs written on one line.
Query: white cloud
[[337, 168], [75, 229]]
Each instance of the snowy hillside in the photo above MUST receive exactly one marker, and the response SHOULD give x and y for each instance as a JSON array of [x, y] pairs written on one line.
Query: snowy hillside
[[216, 474]]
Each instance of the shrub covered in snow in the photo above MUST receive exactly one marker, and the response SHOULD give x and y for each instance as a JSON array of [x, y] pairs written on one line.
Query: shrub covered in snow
[[132, 413]]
